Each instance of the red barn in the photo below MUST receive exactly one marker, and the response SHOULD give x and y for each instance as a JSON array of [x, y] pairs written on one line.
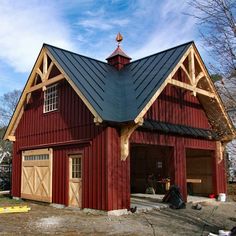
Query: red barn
[[88, 133]]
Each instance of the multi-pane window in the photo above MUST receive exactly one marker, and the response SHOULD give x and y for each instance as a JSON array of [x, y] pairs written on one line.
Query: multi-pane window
[[76, 167], [37, 157], [51, 98]]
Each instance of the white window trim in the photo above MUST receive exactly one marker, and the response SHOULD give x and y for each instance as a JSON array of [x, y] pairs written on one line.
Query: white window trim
[[51, 104]]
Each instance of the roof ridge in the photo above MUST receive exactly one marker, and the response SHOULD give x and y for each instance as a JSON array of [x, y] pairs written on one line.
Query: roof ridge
[[94, 59], [154, 54]]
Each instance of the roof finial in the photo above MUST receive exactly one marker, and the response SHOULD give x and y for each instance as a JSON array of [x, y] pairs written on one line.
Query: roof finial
[[119, 38]]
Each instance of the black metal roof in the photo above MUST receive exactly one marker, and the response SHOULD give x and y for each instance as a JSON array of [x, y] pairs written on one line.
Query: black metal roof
[[118, 96], [183, 130]]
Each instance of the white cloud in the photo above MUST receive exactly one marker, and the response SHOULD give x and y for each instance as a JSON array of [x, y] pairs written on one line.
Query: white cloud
[[25, 26], [172, 28], [102, 24]]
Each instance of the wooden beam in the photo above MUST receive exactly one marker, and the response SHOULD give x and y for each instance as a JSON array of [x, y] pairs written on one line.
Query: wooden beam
[[125, 134], [218, 99], [45, 64], [49, 70], [19, 111], [186, 72], [39, 72], [46, 83], [17, 121], [199, 76], [79, 93], [97, 120], [158, 92], [192, 67], [191, 88], [11, 138]]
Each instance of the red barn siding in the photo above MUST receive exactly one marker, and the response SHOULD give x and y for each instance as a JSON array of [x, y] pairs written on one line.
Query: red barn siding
[[16, 171], [118, 178], [70, 124], [72, 121], [219, 175], [180, 144], [178, 106]]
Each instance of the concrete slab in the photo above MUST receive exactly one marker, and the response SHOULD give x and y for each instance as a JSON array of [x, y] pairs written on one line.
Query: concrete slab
[[198, 199], [159, 197], [147, 204]]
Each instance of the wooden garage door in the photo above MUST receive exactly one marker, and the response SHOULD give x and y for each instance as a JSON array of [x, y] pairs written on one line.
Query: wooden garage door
[[36, 178]]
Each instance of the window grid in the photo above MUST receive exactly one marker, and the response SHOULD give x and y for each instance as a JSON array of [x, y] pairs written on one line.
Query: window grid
[[51, 99], [76, 167], [37, 157]]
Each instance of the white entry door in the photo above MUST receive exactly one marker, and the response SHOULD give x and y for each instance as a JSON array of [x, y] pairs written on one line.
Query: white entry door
[[36, 176], [75, 180]]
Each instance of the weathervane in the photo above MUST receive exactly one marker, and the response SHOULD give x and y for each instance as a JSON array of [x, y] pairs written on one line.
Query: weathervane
[[119, 38]]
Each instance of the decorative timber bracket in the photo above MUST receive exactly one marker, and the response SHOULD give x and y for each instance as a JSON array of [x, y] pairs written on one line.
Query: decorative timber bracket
[[125, 134], [193, 76]]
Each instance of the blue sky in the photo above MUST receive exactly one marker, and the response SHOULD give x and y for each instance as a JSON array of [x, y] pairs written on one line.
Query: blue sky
[[88, 27]]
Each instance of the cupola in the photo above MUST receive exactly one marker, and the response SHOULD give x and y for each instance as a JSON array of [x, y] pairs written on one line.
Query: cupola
[[118, 58]]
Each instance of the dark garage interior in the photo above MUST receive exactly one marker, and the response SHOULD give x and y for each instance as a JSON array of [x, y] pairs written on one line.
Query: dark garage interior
[[199, 171], [150, 166]]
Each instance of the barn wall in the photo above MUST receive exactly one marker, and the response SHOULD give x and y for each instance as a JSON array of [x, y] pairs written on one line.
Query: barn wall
[[93, 169], [180, 144], [118, 178], [69, 129], [72, 121], [178, 106], [16, 171], [219, 174]]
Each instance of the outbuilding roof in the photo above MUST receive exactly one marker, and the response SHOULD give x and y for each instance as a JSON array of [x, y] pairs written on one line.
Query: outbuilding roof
[[118, 96], [125, 95]]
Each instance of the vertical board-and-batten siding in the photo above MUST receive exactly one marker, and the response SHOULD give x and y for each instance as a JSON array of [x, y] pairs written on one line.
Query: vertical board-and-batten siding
[[118, 178], [72, 122], [179, 106], [106, 179]]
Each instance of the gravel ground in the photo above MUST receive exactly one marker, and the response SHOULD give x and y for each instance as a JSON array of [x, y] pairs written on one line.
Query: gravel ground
[[47, 220]]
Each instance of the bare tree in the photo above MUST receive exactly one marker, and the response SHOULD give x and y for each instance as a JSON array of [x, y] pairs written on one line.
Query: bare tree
[[5, 147], [217, 26], [8, 103]]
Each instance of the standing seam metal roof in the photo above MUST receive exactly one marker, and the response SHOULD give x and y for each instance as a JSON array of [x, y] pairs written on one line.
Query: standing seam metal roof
[[118, 96]]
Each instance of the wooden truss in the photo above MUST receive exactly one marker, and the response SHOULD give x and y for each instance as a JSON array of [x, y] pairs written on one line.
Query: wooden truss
[[193, 77], [40, 78], [188, 65], [125, 134]]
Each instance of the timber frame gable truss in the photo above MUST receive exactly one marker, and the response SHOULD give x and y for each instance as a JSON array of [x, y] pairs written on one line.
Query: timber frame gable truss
[[201, 86], [40, 78]]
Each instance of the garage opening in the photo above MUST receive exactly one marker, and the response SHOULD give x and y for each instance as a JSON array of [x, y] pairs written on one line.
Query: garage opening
[[199, 172], [151, 168]]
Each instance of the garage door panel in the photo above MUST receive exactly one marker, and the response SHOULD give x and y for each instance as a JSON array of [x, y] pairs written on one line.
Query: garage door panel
[[37, 175], [28, 180]]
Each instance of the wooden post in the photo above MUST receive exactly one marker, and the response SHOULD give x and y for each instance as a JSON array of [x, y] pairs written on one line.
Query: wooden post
[[180, 167]]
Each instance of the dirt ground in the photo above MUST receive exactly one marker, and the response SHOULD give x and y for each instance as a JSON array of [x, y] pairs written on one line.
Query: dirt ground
[[47, 220]]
